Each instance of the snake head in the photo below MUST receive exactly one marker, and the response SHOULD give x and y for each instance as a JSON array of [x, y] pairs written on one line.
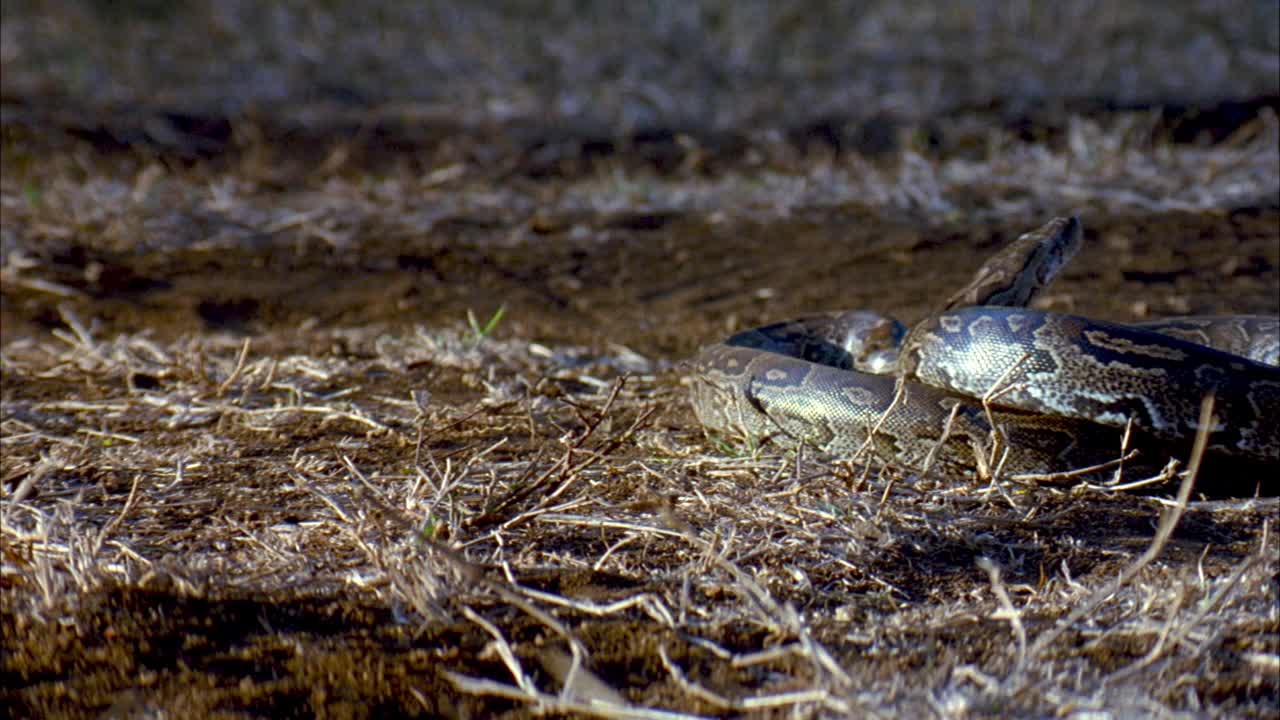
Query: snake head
[[1014, 276]]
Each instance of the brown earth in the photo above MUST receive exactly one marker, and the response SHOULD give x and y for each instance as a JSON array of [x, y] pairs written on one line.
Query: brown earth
[[224, 499]]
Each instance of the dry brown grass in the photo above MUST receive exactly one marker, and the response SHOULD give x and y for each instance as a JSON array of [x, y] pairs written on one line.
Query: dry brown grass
[[751, 584], [255, 461]]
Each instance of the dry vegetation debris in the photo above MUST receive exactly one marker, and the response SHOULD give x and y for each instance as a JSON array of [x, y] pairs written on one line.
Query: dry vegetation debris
[[583, 548], [340, 357]]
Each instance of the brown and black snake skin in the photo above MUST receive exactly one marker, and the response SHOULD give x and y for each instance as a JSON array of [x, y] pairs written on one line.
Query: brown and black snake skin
[[987, 384]]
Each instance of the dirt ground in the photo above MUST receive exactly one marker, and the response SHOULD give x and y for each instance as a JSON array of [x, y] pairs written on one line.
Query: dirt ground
[[380, 416], [282, 476]]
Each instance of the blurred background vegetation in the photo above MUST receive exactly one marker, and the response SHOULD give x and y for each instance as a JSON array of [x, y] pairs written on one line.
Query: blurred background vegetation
[[627, 66]]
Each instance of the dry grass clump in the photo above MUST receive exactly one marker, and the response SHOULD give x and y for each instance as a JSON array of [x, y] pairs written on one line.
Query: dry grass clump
[[1114, 166], [1111, 166]]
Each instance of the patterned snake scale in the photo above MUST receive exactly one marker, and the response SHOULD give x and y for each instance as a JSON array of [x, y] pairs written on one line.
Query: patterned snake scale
[[1059, 388]]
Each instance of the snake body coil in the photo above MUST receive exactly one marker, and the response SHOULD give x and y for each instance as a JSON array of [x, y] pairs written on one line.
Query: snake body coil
[[1104, 372], [993, 388]]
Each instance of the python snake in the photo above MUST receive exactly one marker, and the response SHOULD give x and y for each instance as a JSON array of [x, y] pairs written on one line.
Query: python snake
[[988, 384]]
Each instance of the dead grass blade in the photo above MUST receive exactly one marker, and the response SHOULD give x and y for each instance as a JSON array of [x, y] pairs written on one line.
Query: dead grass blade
[[1168, 521]]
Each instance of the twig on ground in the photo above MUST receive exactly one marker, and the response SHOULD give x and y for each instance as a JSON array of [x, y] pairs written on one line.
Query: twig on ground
[[1168, 522], [1059, 477], [553, 704], [235, 372], [1007, 612], [758, 702], [781, 617], [1169, 636]]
